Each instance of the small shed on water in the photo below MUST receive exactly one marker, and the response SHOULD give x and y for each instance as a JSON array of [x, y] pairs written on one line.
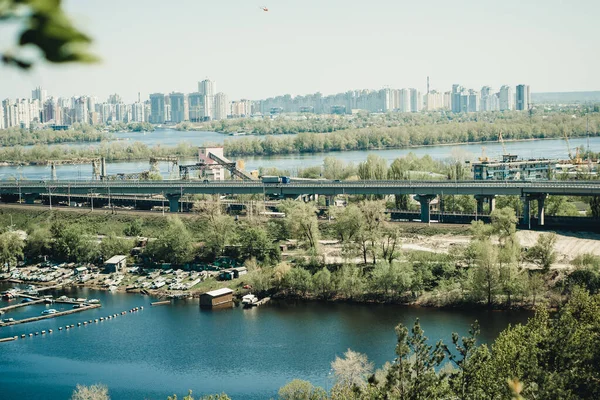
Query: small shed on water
[[217, 298]]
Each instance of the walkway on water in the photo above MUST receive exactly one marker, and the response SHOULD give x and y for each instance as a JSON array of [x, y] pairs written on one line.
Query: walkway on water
[[28, 303], [48, 316]]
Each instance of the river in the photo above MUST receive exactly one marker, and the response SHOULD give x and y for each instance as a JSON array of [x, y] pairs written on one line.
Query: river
[[248, 354], [553, 148]]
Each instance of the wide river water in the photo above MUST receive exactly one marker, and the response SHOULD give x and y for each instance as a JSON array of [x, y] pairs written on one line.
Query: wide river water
[[248, 354], [555, 148]]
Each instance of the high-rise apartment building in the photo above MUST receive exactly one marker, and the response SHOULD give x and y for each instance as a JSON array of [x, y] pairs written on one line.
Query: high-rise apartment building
[[456, 100], [2, 117], [433, 101], [523, 98], [137, 112], [82, 114], [196, 106], [416, 100], [179, 107], [506, 98], [405, 103], [221, 106], [157, 108], [474, 100], [39, 94], [207, 88]]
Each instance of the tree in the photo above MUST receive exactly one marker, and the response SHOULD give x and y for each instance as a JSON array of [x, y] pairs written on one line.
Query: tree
[[321, 282], [349, 281], [11, 249], [347, 222], [374, 168], [219, 228], [92, 392], [302, 221], [37, 244], [486, 274], [134, 228], [297, 280], [255, 243], [352, 370], [373, 217], [390, 242], [47, 27], [504, 222], [542, 253], [71, 243], [112, 245], [173, 245], [301, 390]]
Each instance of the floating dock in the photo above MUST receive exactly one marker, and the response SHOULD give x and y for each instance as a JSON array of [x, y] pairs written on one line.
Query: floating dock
[[58, 314], [29, 303], [161, 303]]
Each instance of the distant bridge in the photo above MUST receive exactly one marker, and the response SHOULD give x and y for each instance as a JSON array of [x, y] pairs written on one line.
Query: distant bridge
[[173, 190]]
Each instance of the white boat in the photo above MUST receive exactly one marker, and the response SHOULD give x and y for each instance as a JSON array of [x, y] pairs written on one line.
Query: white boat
[[249, 300], [49, 311], [93, 301]]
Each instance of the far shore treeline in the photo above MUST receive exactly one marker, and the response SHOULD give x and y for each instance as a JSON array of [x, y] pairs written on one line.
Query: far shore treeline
[[312, 134]]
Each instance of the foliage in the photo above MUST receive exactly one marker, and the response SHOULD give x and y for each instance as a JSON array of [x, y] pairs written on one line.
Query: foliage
[[542, 253], [92, 392], [71, 243], [189, 396], [134, 229], [112, 245], [37, 244], [302, 221], [47, 27], [256, 243], [301, 390], [11, 249], [352, 370], [174, 245]]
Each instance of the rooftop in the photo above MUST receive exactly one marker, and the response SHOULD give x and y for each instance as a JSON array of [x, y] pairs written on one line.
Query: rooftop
[[115, 259], [219, 292]]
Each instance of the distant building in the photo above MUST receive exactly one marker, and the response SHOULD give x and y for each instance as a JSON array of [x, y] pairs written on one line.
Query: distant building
[[221, 106], [196, 107], [137, 112], [415, 100], [157, 108], [405, 103], [39, 94], [207, 88], [523, 98], [116, 264], [179, 112], [215, 171], [510, 168], [506, 98], [474, 100]]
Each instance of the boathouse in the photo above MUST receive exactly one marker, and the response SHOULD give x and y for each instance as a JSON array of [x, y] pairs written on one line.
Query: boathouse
[[217, 298], [115, 264]]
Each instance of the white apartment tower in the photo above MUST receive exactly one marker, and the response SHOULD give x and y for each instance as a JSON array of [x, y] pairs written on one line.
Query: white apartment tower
[[506, 98], [207, 89], [221, 106]]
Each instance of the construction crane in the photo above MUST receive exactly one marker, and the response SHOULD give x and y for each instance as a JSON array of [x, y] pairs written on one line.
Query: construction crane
[[501, 140], [574, 159]]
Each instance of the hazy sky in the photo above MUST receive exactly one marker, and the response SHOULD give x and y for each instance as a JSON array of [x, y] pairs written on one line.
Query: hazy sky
[[301, 47]]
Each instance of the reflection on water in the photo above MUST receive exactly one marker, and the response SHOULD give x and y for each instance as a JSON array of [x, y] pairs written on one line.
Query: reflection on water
[[248, 353]]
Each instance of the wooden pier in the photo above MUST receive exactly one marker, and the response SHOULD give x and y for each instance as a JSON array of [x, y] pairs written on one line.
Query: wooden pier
[[161, 303], [48, 316], [29, 303]]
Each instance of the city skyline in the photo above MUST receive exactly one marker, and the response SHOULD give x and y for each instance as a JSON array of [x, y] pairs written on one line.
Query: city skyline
[[299, 48]]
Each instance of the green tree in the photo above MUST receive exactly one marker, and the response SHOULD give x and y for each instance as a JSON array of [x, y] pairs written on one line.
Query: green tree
[[374, 168], [255, 243], [37, 244], [486, 273], [71, 243], [542, 253], [302, 221], [373, 217], [134, 229], [174, 245], [347, 222], [297, 281], [301, 390], [321, 282], [11, 249], [112, 245]]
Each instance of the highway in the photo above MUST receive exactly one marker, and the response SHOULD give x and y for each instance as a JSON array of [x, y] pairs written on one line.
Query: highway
[[180, 187]]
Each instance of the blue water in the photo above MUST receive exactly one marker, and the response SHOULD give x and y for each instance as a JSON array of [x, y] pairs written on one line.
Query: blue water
[[554, 148], [248, 354]]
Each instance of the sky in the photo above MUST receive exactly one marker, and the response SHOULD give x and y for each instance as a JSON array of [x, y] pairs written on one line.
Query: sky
[[327, 46]]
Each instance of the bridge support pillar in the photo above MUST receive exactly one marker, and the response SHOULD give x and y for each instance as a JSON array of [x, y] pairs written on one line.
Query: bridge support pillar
[[425, 200], [173, 202], [541, 211], [30, 197], [526, 210], [329, 201], [482, 199]]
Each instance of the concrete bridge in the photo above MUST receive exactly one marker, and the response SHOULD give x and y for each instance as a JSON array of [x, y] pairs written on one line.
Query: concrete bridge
[[425, 191]]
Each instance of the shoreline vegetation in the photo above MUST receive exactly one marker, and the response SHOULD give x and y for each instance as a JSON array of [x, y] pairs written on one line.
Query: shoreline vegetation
[[323, 134], [357, 257], [553, 355]]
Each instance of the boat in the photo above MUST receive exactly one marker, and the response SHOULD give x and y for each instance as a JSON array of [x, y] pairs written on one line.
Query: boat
[[49, 311], [8, 320], [249, 300], [80, 305], [93, 301], [112, 288]]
